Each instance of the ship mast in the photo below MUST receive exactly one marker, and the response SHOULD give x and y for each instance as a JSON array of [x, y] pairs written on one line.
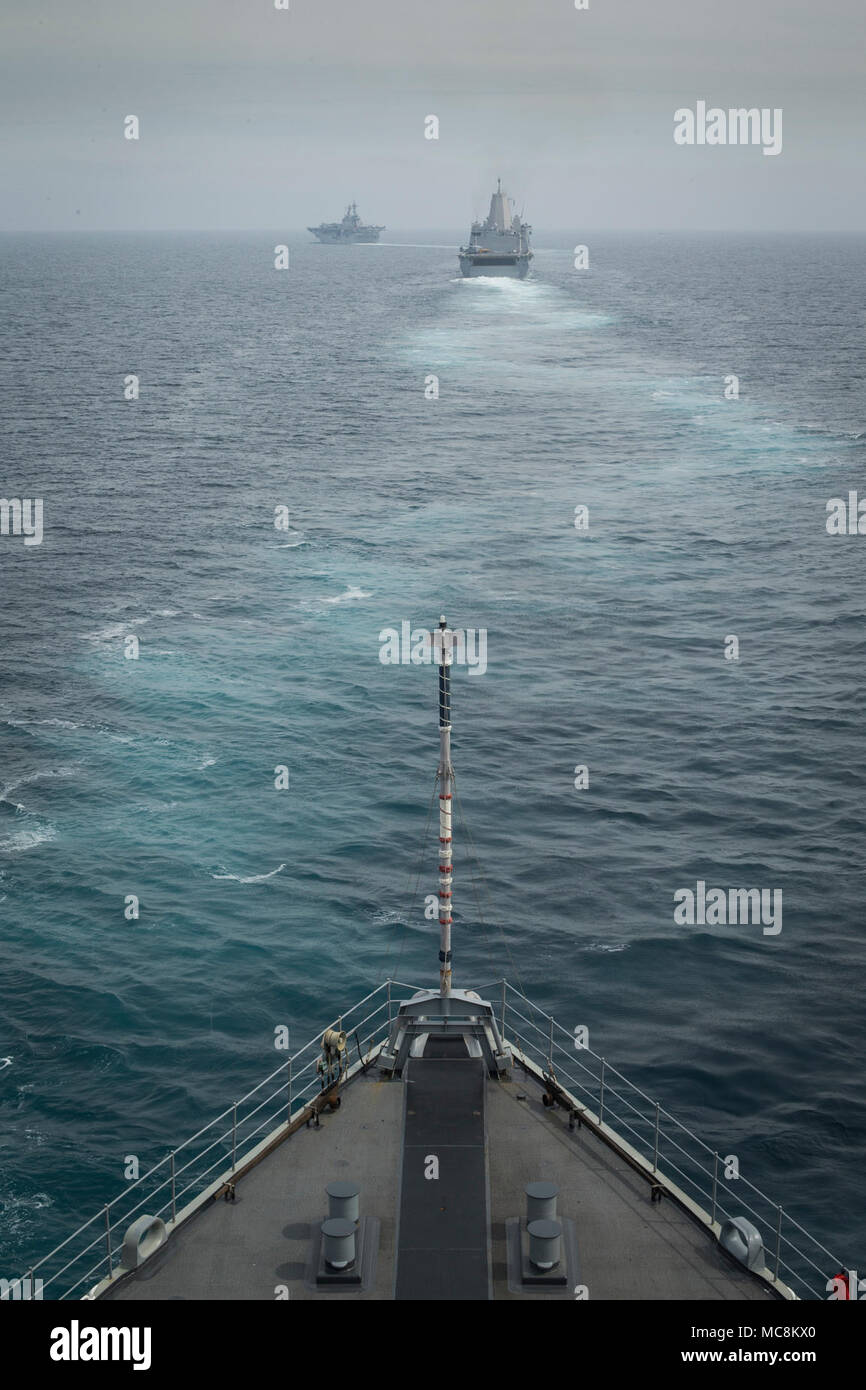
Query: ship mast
[[443, 640], [429, 1014]]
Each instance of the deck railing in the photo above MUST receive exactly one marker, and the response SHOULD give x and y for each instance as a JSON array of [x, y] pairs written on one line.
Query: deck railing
[[210, 1157], [667, 1146]]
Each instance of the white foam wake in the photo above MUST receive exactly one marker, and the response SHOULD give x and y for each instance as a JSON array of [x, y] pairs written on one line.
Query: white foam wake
[[352, 592], [34, 777], [54, 723], [253, 878], [112, 631], [27, 839]]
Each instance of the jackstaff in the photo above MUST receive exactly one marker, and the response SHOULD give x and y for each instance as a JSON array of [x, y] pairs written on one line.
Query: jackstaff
[[444, 641]]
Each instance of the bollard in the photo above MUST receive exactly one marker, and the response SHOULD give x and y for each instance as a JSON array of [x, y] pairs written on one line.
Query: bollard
[[544, 1243], [343, 1201], [541, 1201], [338, 1242]]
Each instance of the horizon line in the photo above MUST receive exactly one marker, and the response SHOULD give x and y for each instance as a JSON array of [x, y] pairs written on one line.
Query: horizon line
[[596, 230]]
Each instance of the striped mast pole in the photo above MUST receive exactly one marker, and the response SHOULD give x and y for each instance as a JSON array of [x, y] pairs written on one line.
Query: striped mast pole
[[443, 640]]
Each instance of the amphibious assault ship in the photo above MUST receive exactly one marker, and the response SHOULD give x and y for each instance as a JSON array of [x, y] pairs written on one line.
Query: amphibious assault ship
[[351, 229], [500, 245], [440, 1143]]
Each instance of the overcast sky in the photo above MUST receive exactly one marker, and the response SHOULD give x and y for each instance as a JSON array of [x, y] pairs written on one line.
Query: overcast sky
[[257, 118]]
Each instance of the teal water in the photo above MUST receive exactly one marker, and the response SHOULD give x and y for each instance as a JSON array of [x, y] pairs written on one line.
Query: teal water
[[260, 647]]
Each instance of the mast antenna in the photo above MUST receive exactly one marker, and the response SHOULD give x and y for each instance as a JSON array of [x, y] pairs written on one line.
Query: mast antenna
[[443, 645]]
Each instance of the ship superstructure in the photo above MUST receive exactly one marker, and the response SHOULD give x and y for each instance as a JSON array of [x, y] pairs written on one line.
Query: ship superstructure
[[500, 244], [350, 229]]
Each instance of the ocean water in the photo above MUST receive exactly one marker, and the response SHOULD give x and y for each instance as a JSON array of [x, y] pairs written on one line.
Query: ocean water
[[260, 647]]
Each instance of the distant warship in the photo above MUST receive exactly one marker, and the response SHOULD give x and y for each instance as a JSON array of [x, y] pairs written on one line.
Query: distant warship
[[499, 246], [350, 229]]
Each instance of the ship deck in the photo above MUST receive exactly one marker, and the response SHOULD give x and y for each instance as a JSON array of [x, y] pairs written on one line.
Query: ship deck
[[445, 1237]]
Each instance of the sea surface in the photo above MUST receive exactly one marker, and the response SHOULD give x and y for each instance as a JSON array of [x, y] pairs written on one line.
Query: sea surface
[[259, 648]]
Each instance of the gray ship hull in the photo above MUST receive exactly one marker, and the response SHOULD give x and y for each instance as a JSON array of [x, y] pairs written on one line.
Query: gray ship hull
[[514, 267], [349, 240]]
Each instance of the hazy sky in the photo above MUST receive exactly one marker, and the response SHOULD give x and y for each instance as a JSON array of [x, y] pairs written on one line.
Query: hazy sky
[[254, 117]]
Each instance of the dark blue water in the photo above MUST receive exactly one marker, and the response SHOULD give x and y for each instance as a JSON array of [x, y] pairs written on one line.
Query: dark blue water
[[260, 647]]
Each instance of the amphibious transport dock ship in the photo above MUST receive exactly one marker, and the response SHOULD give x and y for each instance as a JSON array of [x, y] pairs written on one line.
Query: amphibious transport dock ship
[[500, 245], [440, 1144], [350, 229]]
